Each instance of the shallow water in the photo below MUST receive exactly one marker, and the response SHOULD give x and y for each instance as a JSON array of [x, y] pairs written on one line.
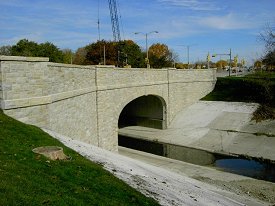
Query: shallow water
[[250, 168]]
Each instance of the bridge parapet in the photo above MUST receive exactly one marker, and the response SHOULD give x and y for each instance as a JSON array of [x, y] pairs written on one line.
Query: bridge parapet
[[30, 81], [114, 78], [191, 75]]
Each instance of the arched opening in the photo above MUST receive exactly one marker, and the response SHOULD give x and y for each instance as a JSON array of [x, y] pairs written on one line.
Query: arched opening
[[146, 111]]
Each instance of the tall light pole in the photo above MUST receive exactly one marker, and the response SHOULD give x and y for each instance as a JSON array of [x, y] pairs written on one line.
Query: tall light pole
[[188, 48], [146, 40], [208, 60]]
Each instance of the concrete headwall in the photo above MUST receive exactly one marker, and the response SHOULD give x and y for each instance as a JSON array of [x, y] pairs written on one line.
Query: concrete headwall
[[84, 102]]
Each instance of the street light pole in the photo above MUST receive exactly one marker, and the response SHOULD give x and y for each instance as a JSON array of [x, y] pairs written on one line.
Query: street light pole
[[147, 52], [230, 59], [188, 56], [188, 48], [208, 60], [146, 41]]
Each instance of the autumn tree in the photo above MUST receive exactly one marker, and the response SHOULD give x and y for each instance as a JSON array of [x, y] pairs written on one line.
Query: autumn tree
[[181, 66], [221, 64], [80, 56], [160, 56], [258, 64], [95, 53], [200, 65]]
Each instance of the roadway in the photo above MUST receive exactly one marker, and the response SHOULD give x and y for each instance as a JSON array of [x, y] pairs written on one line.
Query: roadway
[[224, 73]]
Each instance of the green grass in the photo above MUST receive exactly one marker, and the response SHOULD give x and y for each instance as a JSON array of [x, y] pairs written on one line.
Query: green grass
[[257, 87], [30, 179]]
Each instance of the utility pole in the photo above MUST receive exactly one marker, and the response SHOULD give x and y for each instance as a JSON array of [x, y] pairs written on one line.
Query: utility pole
[[104, 55], [230, 59], [208, 60]]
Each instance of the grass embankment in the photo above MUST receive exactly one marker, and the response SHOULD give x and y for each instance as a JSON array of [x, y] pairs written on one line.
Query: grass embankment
[[257, 87], [30, 179]]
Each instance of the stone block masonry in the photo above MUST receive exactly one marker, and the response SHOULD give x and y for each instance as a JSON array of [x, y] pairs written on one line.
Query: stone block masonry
[[84, 102]]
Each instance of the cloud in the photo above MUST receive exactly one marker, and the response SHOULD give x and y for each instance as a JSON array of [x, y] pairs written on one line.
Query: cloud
[[196, 5], [227, 22]]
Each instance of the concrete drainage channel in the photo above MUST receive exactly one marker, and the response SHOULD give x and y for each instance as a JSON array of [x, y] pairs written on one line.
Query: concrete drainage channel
[[255, 168]]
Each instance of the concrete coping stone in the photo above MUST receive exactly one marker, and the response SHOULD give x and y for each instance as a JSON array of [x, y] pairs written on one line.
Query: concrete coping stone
[[106, 66], [53, 64], [24, 59], [128, 69]]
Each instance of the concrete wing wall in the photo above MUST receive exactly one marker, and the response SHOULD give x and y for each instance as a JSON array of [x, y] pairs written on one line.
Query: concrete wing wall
[[188, 86], [24, 90], [59, 97]]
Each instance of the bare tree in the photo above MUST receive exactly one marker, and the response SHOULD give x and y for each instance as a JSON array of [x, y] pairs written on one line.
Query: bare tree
[[268, 37], [5, 50]]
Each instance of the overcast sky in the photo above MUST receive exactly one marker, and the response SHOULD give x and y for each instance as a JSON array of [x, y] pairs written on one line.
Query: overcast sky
[[212, 26]]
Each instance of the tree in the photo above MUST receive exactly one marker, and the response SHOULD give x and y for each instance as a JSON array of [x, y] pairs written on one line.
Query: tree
[[258, 64], [181, 66], [131, 54], [95, 53], [50, 50], [28, 48], [5, 50], [269, 60], [116, 53], [80, 56], [268, 37], [221, 64], [160, 56], [25, 47], [68, 56], [200, 65]]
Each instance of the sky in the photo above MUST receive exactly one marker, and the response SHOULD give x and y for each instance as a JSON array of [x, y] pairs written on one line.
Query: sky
[[213, 26]]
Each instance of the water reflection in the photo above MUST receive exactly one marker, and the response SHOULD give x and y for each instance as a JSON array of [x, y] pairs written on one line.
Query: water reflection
[[250, 168], [241, 166]]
